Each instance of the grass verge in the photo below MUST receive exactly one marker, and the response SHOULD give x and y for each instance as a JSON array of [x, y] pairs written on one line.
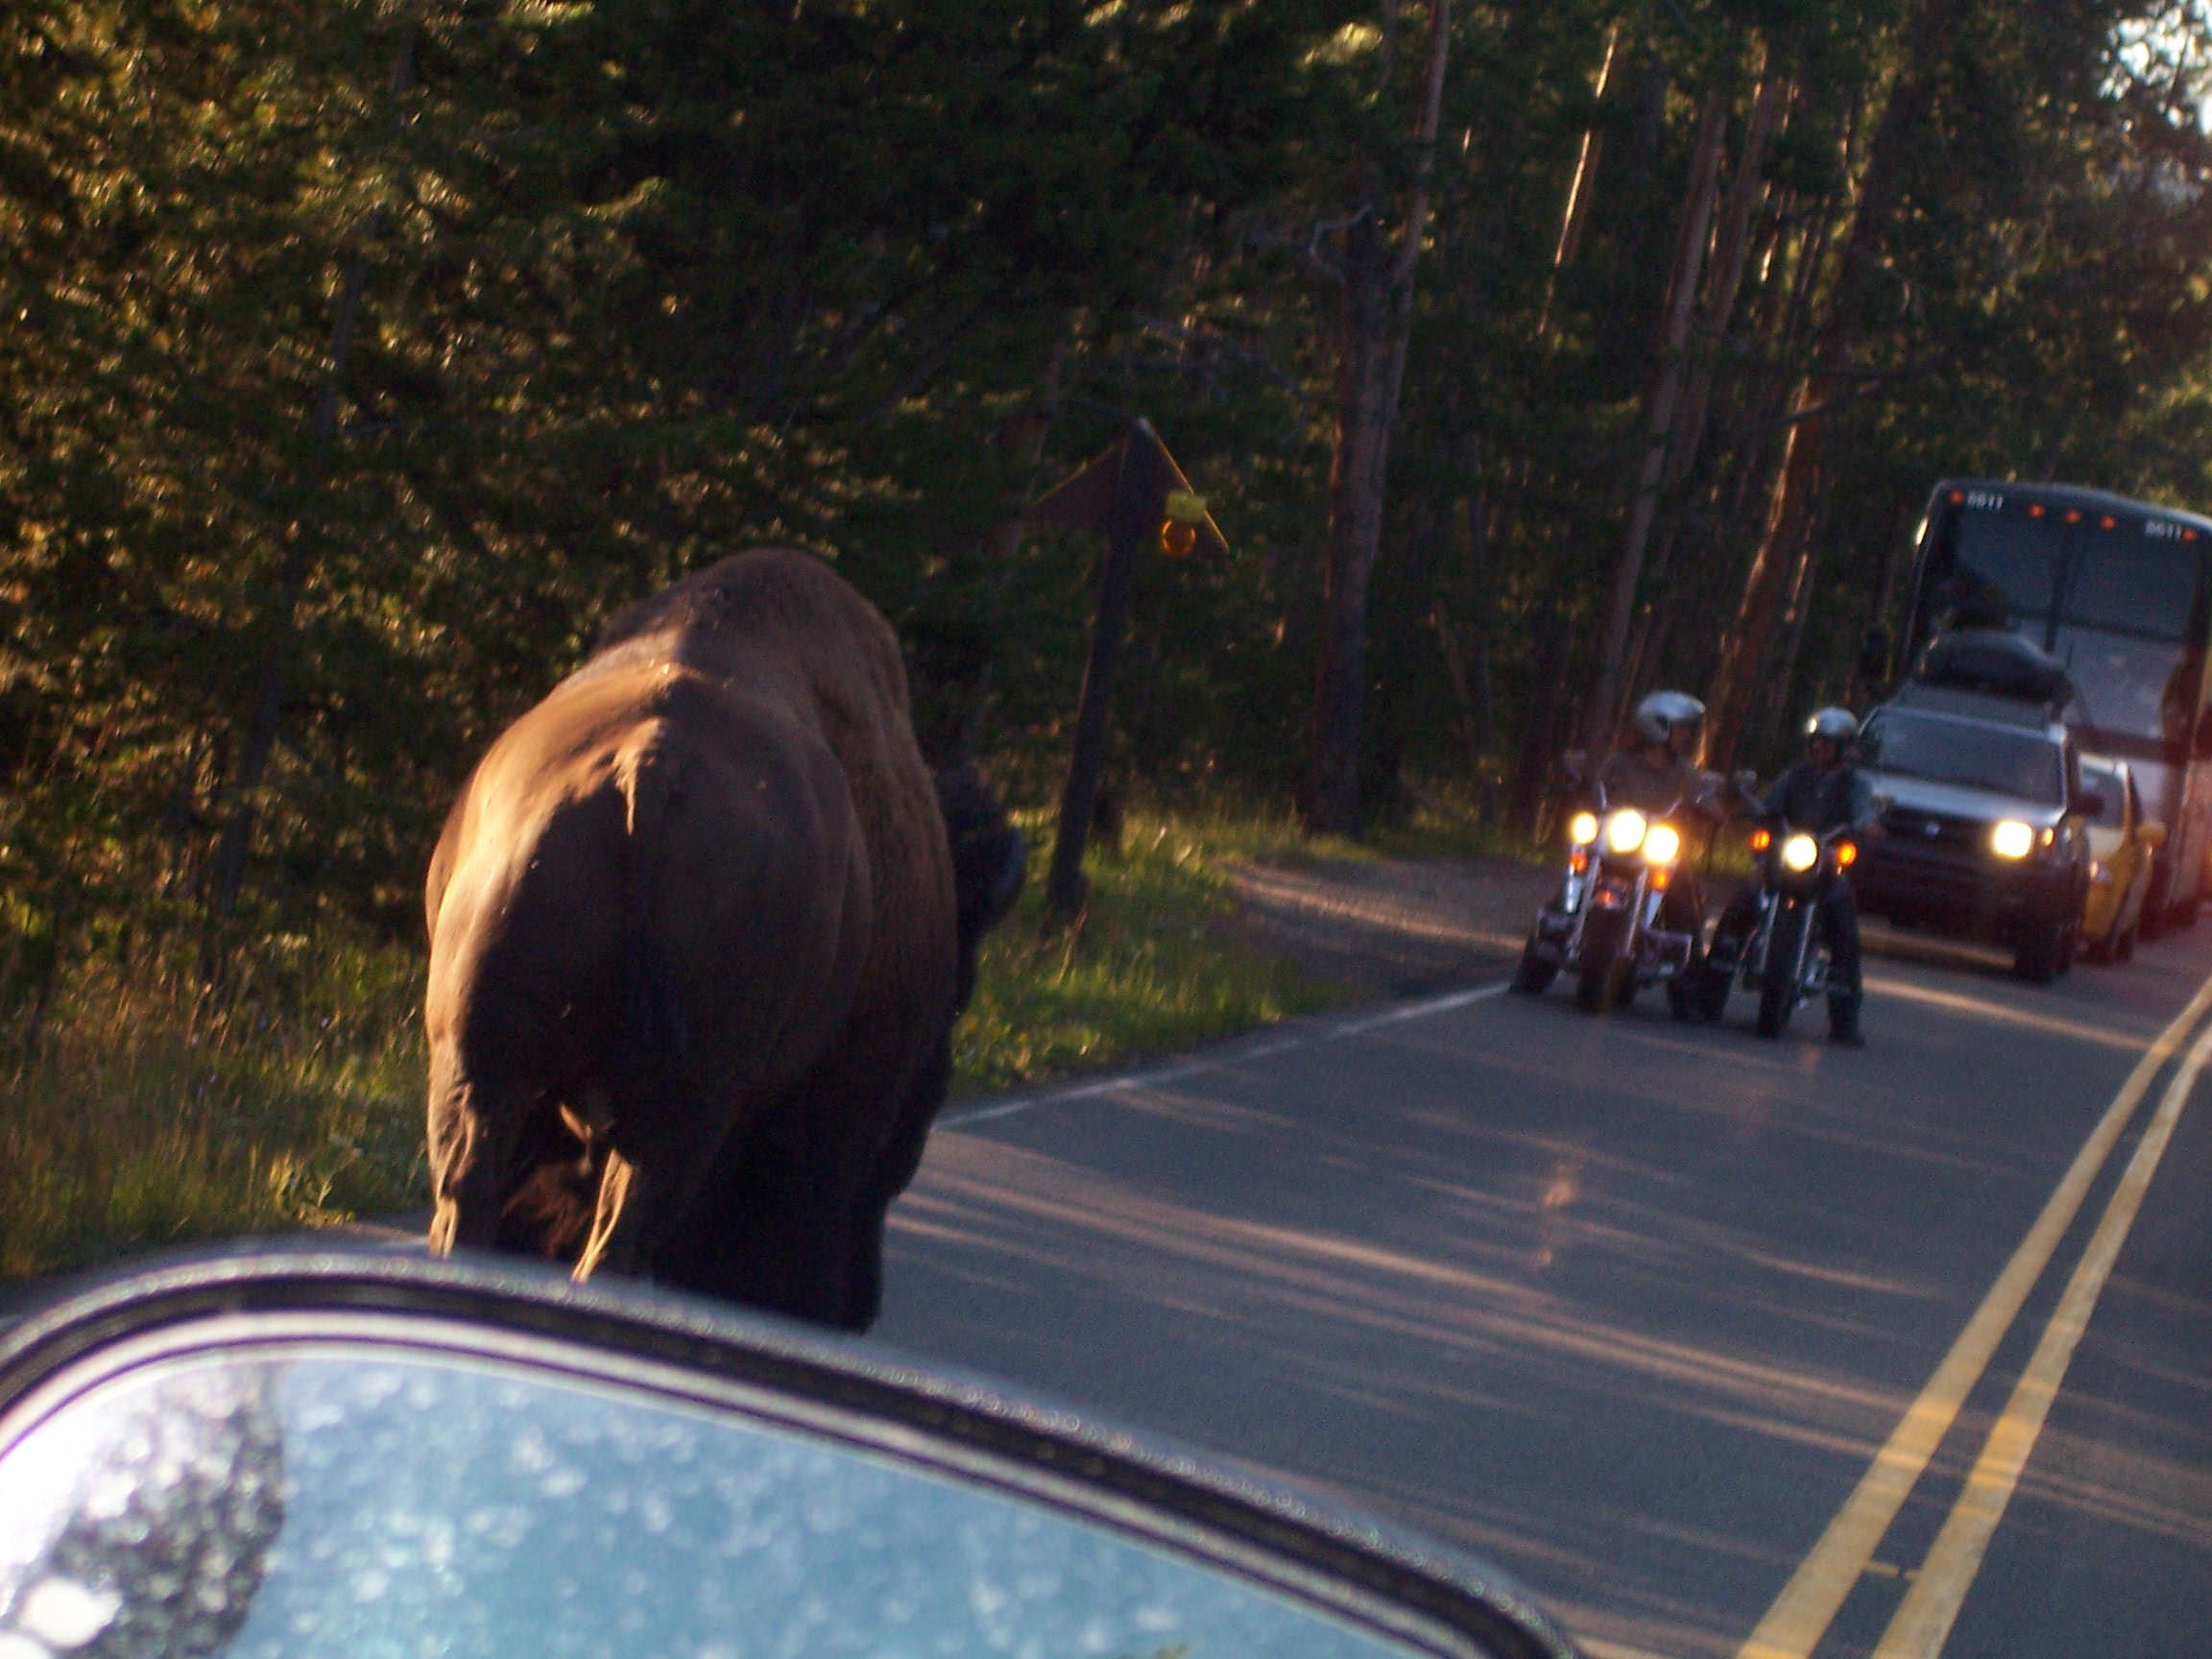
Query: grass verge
[[1155, 967], [147, 1116]]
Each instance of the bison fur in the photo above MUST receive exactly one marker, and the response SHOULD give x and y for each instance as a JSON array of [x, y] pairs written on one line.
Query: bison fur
[[700, 923]]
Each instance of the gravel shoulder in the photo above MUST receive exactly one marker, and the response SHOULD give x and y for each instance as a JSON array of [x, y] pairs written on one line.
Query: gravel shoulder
[[1388, 927]]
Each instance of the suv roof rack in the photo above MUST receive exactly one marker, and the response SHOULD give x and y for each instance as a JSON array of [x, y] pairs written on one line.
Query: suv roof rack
[[1999, 663], [1974, 706]]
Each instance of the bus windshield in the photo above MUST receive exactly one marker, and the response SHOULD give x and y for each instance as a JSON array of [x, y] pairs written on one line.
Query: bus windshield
[[2142, 688], [2135, 583], [2113, 594], [2005, 566], [1973, 756], [2010, 561]]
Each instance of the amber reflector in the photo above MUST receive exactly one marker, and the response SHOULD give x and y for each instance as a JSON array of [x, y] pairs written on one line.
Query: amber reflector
[[1178, 540], [1846, 854]]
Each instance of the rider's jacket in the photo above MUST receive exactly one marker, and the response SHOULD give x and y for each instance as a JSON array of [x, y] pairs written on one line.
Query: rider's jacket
[[1809, 798], [1631, 781]]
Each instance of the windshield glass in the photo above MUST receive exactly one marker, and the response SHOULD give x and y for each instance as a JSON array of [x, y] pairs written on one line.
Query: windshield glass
[[1975, 756], [2132, 581], [2101, 777], [2142, 688], [2006, 565], [316, 1500], [2002, 560]]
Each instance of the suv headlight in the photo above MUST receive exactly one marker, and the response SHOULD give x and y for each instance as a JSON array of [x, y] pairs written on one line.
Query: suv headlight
[[2010, 838], [1625, 831]]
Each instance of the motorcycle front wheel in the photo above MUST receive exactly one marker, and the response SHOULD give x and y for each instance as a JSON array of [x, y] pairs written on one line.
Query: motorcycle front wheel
[[1534, 976], [1778, 977], [1601, 959]]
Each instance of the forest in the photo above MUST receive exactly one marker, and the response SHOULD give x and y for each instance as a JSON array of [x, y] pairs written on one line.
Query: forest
[[359, 357]]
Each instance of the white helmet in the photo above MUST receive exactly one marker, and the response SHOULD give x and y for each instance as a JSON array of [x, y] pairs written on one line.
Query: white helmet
[[1663, 713], [1839, 726]]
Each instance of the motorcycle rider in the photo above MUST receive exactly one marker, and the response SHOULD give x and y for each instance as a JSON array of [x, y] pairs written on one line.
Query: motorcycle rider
[[1820, 793], [1654, 775]]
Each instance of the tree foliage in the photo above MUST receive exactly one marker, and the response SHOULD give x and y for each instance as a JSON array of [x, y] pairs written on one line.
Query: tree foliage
[[641, 281]]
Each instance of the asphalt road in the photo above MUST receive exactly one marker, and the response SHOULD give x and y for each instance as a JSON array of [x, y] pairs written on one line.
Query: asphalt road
[[1632, 1308]]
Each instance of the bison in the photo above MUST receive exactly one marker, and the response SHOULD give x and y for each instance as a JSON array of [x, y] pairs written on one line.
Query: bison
[[700, 925]]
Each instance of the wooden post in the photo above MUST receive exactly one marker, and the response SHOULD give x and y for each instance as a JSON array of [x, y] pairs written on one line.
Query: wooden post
[[1066, 888], [1125, 493]]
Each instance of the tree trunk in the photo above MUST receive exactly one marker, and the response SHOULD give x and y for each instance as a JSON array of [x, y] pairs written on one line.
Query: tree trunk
[[1659, 413], [281, 622], [1746, 190], [1375, 321], [1581, 190], [1794, 614], [1532, 771], [1903, 122]]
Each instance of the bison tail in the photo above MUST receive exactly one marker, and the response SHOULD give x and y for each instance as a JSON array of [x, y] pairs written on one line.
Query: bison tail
[[655, 1044]]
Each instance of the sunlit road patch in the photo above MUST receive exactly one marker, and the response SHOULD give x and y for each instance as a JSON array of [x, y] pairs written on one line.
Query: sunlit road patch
[[1634, 1307]]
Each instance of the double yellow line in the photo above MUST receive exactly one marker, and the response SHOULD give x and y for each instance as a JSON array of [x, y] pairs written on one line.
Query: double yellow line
[[1801, 1614]]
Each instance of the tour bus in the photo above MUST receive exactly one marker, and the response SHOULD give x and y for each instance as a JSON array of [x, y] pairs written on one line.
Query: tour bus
[[2117, 591]]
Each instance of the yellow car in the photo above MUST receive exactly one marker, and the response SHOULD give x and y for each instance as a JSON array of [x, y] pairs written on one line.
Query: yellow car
[[2121, 842]]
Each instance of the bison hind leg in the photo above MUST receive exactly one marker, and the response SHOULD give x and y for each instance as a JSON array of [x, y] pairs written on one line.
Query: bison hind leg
[[618, 1219]]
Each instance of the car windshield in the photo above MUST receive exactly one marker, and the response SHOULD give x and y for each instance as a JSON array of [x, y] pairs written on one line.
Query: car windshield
[[1968, 753], [321, 1500]]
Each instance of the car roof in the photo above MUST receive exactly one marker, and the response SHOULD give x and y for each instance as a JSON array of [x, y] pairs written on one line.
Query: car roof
[[57, 1324], [1978, 708]]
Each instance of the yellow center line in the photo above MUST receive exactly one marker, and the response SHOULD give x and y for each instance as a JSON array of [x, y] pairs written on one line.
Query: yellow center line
[[1923, 1622], [1802, 1613]]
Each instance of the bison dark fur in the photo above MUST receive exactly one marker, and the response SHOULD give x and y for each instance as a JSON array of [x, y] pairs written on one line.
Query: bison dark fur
[[696, 948]]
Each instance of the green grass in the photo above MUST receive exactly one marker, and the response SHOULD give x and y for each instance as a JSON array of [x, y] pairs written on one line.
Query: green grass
[[1155, 967], [147, 1116]]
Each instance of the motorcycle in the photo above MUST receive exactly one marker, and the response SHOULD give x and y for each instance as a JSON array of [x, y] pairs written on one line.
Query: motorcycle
[[1603, 927], [1785, 959]]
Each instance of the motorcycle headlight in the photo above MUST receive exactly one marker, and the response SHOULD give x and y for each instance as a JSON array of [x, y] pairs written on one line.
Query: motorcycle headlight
[[1799, 854], [1582, 828], [1663, 844], [1625, 831], [2010, 838]]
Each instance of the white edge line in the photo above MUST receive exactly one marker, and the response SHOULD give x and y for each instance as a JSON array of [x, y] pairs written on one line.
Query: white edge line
[[1175, 1074], [1418, 1010]]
